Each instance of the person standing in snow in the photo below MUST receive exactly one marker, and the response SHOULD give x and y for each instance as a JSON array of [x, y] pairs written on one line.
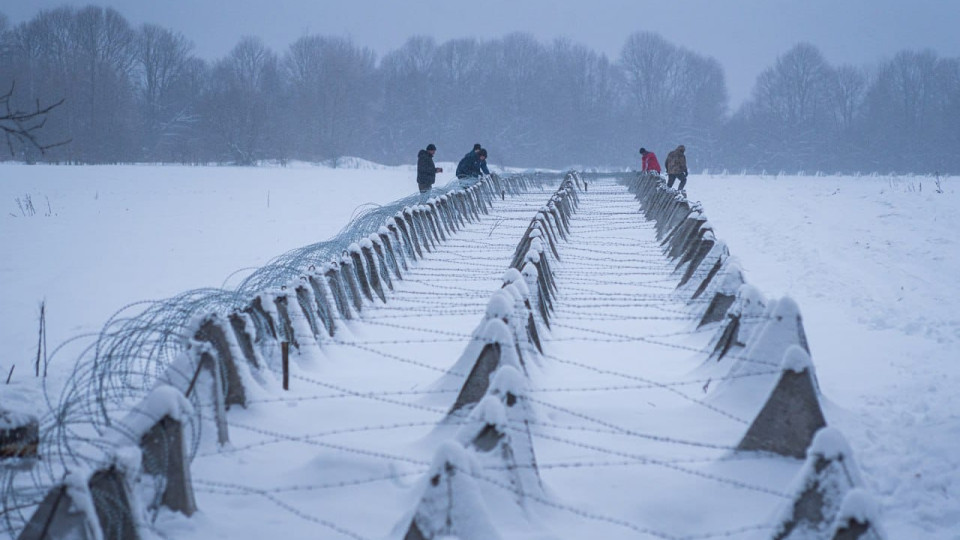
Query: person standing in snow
[[677, 167], [473, 164], [648, 161], [426, 169]]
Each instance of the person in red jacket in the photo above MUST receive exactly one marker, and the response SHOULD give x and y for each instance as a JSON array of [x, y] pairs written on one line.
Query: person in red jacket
[[649, 161]]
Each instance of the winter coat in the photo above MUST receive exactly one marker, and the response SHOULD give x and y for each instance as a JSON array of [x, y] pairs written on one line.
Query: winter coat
[[426, 169], [650, 163], [677, 161], [472, 165]]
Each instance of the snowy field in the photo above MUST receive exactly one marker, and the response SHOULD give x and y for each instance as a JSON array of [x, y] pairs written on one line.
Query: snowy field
[[872, 262]]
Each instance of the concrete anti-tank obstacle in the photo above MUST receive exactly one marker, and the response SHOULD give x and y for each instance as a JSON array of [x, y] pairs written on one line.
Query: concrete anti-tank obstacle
[[374, 271], [19, 435], [382, 263], [308, 306], [263, 323], [781, 326], [387, 246], [792, 415], [245, 333], [321, 299], [702, 249], [155, 425], [214, 331], [65, 512], [498, 429], [828, 475], [749, 304], [338, 289], [283, 316], [349, 277], [204, 359], [498, 349], [451, 505], [111, 501], [356, 263], [724, 296]]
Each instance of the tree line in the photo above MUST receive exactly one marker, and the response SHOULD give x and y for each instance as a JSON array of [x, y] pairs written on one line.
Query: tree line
[[142, 95]]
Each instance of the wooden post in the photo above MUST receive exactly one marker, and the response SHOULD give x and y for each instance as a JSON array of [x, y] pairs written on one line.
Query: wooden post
[[285, 351]]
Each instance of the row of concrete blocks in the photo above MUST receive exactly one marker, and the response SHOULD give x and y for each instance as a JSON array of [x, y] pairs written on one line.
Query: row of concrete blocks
[[234, 351], [753, 335], [494, 445]]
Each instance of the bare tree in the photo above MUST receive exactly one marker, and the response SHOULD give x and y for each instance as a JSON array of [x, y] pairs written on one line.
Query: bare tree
[[21, 127]]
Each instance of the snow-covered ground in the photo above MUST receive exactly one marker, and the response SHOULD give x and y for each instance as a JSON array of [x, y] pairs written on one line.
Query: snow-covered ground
[[871, 262]]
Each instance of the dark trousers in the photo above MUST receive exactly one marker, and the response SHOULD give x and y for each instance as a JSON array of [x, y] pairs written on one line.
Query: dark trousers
[[681, 176], [424, 188]]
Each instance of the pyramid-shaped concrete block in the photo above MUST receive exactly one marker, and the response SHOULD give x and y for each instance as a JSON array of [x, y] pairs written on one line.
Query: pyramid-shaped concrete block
[[826, 478], [451, 504], [792, 415]]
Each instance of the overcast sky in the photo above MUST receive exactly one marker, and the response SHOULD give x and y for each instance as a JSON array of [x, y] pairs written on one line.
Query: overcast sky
[[745, 35]]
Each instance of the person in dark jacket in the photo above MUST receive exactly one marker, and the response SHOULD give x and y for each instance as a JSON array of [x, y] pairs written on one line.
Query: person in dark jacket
[[472, 165], [426, 169], [677, 167], [648, 161]]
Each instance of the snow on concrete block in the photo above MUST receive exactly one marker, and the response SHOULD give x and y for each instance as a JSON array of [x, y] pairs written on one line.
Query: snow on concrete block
[[19, 435], [66, 512], [792, 415], [781, 328], [451, 504], [214, 330], [360, 273], [742, 317], [382, 262], [349, 277], [338, 290], [498, 349], [858, 518], [155, 425], [373, 270], [111, 496], [244, 332], [820, 488]]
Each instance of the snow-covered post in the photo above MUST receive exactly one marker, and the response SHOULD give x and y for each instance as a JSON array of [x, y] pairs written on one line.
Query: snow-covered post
[[827, 477], [792, 415]]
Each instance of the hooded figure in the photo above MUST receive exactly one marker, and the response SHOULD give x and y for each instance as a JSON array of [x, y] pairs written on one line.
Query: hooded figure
[[426, 169], [677, 167]]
